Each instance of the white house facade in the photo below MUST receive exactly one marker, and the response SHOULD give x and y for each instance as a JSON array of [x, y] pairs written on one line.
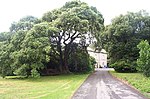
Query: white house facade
[[100, 57]]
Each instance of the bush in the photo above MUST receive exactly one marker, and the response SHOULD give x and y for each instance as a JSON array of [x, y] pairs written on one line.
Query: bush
[[124, 66], [35, 73], [92, 62], [144, 59], [81, 62]]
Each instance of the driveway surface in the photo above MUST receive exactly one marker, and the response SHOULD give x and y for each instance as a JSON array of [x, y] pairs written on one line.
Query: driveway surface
[[101, 85]]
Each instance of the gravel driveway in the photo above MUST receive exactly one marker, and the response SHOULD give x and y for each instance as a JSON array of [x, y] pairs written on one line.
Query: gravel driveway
[[101, 85]]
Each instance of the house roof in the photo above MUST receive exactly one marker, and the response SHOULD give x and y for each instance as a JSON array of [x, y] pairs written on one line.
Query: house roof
[[103, 51], [92, 50]]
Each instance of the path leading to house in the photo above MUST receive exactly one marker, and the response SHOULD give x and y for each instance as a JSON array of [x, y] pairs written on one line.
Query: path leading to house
[[101, 85]]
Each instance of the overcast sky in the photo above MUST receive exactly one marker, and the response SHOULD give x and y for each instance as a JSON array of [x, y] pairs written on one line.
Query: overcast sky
[[13, 10]]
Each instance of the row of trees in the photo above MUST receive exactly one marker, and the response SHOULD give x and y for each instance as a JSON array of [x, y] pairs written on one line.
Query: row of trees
[[56, 42], [121, 38]]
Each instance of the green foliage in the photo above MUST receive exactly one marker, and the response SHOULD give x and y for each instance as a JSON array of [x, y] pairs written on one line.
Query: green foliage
[[5, 51], [124, 66], [17, 56], [144, 59], [25, 23], [121, 37], [79, 61], [5, 68], [27, 49], [33, 53], [73, 22], [92, 62], [5, 36], [35, 73]]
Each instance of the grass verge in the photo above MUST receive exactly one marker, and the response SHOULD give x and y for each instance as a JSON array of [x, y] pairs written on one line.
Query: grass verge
[[137, 80], [48, 87]]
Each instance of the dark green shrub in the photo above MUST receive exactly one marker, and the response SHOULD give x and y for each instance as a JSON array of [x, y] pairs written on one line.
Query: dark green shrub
[[124, 66], [92, 62], [81, 62]]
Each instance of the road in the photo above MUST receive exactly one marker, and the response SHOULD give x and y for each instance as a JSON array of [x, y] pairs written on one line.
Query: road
[[101, 85]]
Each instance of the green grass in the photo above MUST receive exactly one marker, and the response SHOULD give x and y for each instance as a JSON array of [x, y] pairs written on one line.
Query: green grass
[[48, 87], [137, 80]]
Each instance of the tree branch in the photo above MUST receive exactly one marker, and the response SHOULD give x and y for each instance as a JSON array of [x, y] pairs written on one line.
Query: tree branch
[[66, 39], [73, 34]]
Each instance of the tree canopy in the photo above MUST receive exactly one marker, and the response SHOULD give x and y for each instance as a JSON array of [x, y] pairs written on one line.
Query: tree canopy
[[123, 35], [58, 41], [33, 51], [25, 23], [74, 22], [33, 45]]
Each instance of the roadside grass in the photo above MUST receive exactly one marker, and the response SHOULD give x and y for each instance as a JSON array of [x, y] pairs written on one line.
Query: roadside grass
[[137, 80], [46, 87]]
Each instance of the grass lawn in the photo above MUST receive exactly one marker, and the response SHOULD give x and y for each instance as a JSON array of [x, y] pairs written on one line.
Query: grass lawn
[[137, 80], [47, 87]]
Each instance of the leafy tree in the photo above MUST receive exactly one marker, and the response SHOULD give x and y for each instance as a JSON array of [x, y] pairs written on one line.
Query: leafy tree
[[144, 58], [5, 68], [5, 36], [24, 50], [75, 21], [31, 42], [5, 61], [25, 23], [33, 53], [79, 60], [122, 36]]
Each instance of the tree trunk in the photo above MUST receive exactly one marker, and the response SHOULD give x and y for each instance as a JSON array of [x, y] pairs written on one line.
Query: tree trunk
[[75, 61], [76, 67], [66, 69], [63, 67], [60, 57], [66, 55]]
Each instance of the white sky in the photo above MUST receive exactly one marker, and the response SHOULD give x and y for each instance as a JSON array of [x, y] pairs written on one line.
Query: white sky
[[13, 10]]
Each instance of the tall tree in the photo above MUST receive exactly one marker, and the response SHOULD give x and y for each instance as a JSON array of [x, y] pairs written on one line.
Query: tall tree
[[33, 41], [33, 51], [11, 45], [123, 35], [74, 22], [144, 59]]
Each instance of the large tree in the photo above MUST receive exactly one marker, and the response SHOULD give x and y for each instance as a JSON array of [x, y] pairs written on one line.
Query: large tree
[[11, 44], [32, 51], [32, 42], [123, 35], [74, 22]]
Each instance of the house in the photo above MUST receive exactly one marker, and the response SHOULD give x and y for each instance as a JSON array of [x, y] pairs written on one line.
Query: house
[[100, 57]]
